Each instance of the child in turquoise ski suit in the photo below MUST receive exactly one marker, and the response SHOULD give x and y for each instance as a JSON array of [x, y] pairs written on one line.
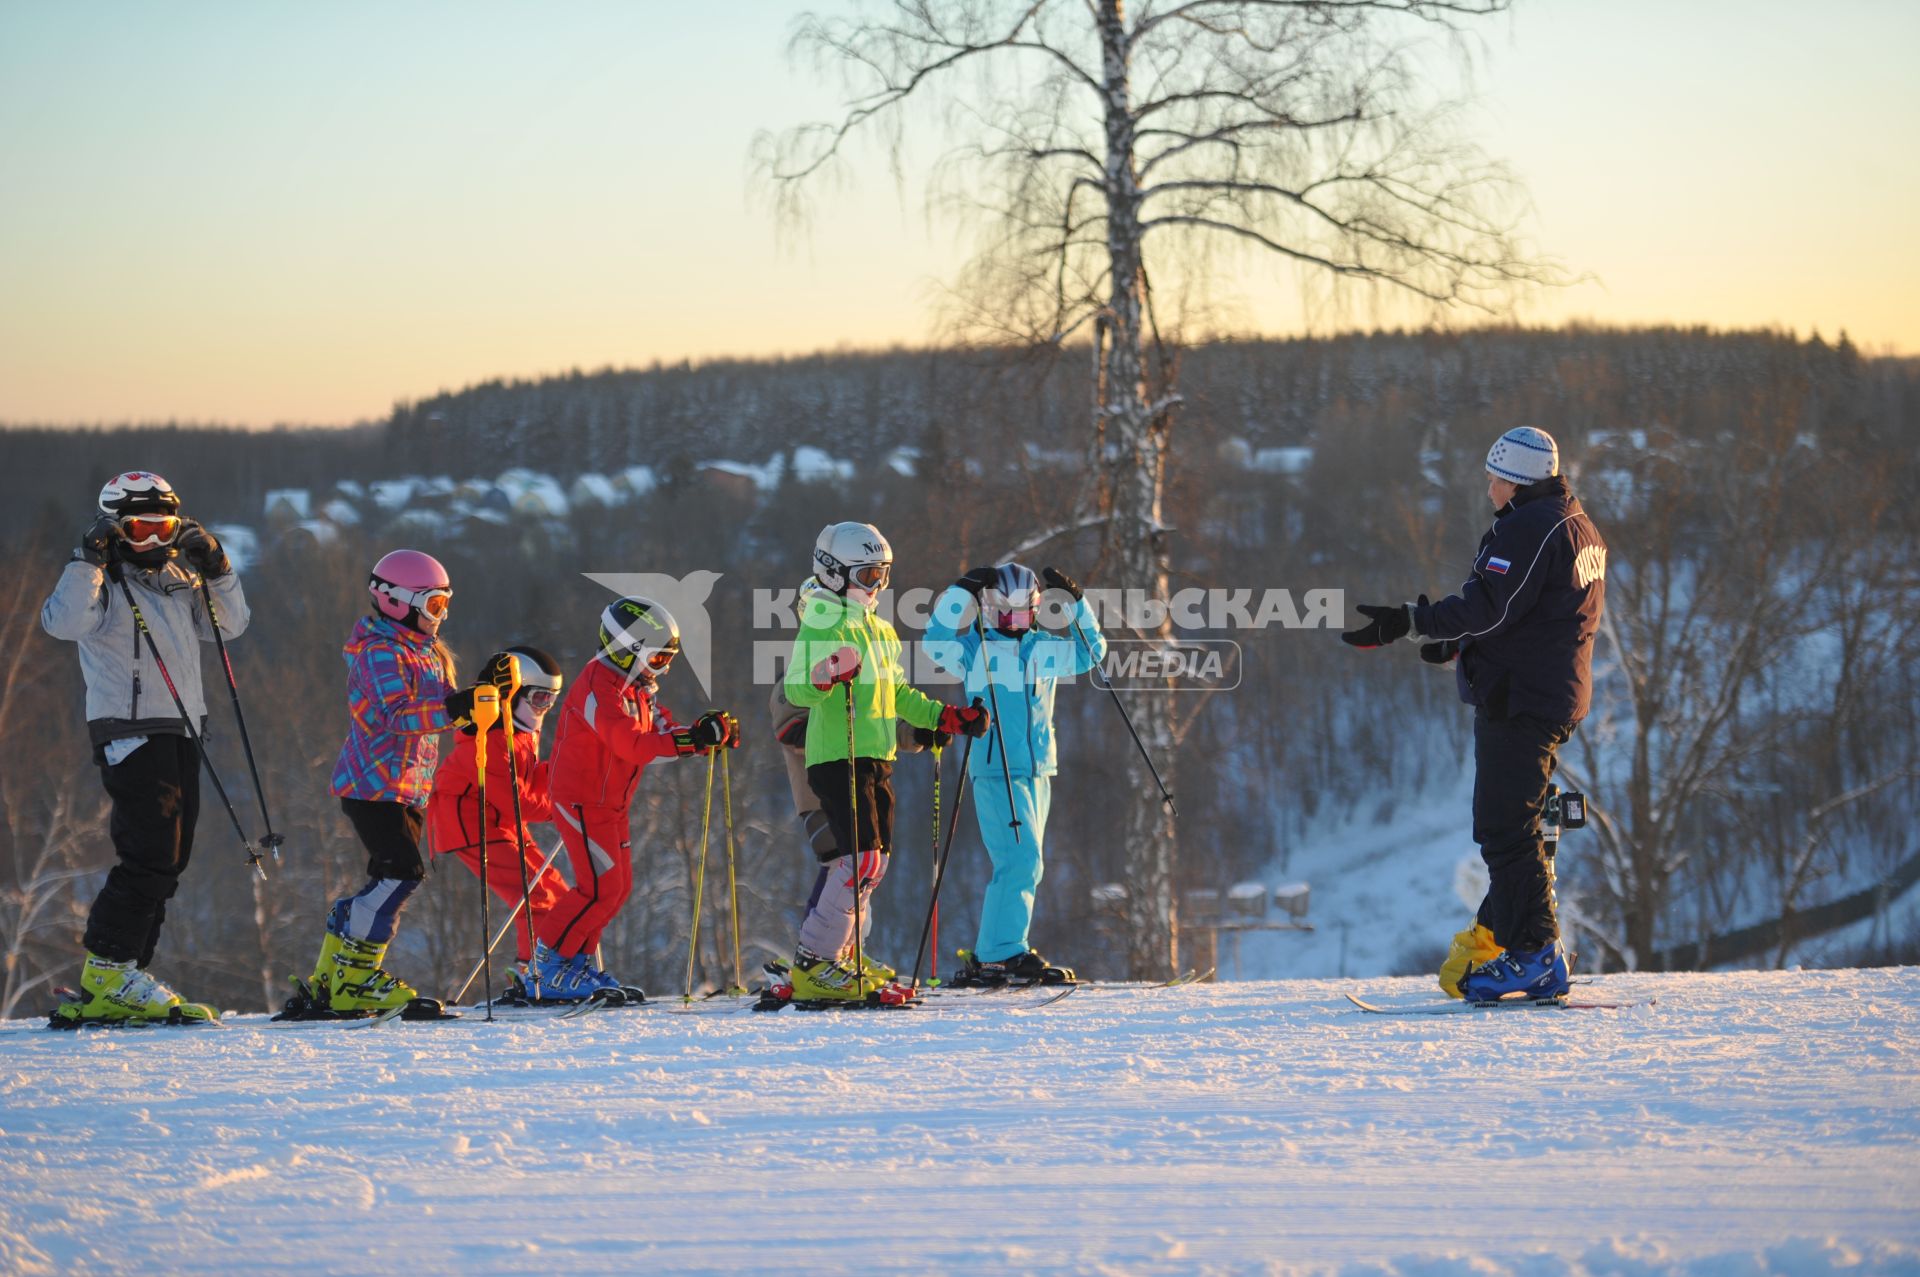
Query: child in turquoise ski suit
[[1024, 665]]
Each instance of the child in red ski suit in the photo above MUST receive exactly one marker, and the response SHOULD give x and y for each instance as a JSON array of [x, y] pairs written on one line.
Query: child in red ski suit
[[610, 728], [455, 819]]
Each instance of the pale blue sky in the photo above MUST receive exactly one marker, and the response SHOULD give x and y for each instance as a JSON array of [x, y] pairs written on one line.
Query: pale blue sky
[[302, 212]]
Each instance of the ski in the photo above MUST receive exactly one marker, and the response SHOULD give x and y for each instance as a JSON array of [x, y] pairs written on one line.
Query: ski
[[1024, 1008], [65, 1016], [1508, 1004], [174, 1020], [598, 1000], [304, 1008]]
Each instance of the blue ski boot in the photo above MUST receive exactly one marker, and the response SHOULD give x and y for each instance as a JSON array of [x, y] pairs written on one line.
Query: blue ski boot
[[1540, 974], [554, 975], [592, 980]]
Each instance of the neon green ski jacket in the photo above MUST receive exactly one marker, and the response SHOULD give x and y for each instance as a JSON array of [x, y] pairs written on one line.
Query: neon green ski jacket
[[880, 693]]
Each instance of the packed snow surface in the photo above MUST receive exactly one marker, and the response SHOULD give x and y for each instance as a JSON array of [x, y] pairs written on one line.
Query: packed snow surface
[[1752, 1123]]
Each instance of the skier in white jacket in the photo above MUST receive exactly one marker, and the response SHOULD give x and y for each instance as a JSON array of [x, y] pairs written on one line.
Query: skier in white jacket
[[140, 554]]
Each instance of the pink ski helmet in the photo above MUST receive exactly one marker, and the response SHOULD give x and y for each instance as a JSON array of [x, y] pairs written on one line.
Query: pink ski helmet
[[410, 586]]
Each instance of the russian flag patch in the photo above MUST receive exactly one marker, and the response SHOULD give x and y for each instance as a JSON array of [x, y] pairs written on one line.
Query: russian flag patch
[[1497, 565]]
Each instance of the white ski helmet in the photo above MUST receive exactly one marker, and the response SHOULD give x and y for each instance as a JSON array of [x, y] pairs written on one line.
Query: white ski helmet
[[540, 682], [852, 556], [138, 492], [148, 512], [1009, 602], [639, 631]]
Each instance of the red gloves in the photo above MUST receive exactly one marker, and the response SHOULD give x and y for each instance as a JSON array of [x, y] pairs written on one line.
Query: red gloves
[[965, 720], [841, 667]]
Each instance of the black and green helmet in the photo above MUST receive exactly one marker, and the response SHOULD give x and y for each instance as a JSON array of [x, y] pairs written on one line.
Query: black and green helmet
[[637, 629]]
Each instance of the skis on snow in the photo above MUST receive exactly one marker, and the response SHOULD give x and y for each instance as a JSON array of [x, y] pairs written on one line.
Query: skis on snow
[[1452, 1007]]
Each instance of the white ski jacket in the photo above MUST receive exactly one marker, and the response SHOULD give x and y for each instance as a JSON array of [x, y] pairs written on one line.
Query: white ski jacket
[[125, 694]]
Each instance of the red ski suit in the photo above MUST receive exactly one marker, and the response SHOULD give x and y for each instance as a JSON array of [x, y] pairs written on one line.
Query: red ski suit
[[453, 813], [610, 729]]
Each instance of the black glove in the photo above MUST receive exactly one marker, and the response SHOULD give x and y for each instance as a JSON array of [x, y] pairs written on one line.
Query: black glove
[[1058, 580], [976, 580], [460, 709], [712, 730], [1440, 653], [498, 671], [199, 548], [100, 543], [1384, 625], [929, 738], [794, 734]]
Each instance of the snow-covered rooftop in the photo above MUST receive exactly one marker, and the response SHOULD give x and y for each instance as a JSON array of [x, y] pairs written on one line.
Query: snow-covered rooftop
[[287, 503]]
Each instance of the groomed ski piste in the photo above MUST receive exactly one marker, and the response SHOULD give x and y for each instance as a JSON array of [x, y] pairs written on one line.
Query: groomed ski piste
[[1743, 1124]]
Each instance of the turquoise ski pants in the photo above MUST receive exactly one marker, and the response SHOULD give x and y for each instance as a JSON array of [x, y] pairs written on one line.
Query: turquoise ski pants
[[1007, 912]]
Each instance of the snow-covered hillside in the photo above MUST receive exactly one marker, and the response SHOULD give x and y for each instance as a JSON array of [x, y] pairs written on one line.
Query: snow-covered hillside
[[1746, 1124]]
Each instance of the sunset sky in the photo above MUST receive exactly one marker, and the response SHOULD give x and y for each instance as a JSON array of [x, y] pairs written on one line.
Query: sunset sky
[[260, 213]]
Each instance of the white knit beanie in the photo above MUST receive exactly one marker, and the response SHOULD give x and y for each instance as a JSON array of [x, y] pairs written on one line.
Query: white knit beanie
[[1524, 455]]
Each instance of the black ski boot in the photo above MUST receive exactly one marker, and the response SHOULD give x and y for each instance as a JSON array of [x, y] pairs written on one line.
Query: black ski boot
[[1020, 970]]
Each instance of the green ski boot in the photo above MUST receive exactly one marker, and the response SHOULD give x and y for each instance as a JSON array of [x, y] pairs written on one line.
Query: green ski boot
[[117, 993], [349, 976]]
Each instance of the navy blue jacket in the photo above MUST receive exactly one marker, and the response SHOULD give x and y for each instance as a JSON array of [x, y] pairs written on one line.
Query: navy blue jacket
[[1526, 617]]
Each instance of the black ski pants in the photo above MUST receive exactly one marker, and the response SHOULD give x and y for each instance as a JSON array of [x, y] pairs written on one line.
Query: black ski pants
[[875, 780], [1513, 762], [155, 792]]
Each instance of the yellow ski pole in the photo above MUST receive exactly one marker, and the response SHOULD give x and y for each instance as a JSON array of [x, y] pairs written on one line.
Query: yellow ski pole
[[486, 709], [507, 694], [699, 881], [733, 883]]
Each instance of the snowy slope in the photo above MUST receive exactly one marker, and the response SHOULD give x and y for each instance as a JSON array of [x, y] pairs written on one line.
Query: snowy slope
[[1386, 890], [1747, 1124]]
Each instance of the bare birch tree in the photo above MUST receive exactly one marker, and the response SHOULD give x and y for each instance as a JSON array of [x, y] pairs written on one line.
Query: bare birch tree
[[1104, 143]]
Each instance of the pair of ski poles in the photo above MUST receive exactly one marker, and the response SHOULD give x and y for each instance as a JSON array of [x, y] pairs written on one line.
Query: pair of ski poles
[[943, 853], [269, 841], [700, 871], [487, 709]]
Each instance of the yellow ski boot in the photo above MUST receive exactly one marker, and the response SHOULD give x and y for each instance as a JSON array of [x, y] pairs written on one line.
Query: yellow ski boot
[[877, 972], [825, 980], [348, 975], [122, 993]]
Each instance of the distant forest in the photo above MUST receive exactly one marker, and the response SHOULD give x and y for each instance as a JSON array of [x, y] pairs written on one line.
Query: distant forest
[[1752, 759]]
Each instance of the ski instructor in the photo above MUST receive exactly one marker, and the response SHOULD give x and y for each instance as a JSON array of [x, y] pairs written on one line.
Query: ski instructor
[[142, 571], [1521, 628]]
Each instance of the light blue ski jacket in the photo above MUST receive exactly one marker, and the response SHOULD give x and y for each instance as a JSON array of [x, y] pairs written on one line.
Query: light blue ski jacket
[[1025, 673]]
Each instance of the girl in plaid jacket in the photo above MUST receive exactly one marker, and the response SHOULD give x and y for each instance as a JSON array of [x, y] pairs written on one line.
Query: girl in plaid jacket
[[400, 694]]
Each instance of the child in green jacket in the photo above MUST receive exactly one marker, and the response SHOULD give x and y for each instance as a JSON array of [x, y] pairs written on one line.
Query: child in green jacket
[[846, 655]]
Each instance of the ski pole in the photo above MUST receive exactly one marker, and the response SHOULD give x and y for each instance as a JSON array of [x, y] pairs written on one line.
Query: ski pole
[[940, 860], [1165, 795], [999, 733], [519, 822], [486, 709], [853, 831], [269, 840], [933, 976], [733, 883], [512, 916], [700, 879], [186, 721]]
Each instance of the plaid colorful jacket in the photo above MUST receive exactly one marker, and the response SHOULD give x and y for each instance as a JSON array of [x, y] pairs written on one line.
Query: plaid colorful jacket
[[395, 685]]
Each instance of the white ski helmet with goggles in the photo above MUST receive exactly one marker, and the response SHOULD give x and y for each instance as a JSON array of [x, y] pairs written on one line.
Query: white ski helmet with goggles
[[147, 510], [540, 682], [852, 557], [1009, 603], [639, 636]]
